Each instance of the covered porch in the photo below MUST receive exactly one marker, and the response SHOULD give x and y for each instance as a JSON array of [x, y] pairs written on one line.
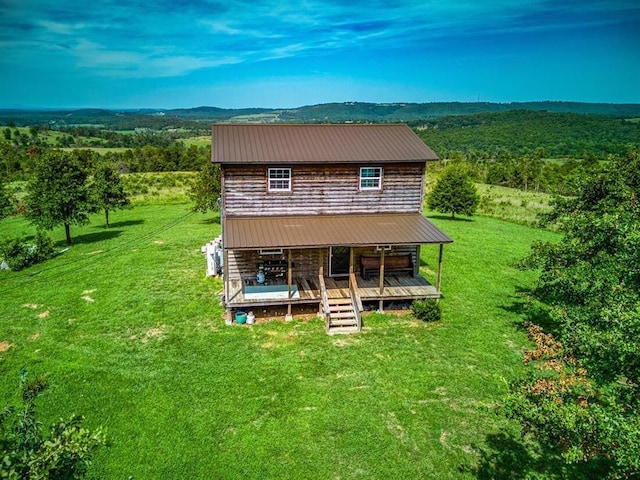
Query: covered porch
[[308, 290], [335, 262]]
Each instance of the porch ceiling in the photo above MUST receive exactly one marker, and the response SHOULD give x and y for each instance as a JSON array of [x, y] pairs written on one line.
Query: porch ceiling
[[315, 231]]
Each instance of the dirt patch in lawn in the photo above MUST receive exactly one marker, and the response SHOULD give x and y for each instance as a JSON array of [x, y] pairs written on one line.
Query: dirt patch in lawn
[[4, 346], [157, 332]]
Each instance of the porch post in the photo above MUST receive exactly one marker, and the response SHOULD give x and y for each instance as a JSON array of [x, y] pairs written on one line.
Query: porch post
[[381, 281], [439, 267], [351, 264], [321, 275], [289, 280]]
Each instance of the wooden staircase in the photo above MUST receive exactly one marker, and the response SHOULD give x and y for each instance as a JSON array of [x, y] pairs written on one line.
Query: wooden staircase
[[342, 316], [340, 309]]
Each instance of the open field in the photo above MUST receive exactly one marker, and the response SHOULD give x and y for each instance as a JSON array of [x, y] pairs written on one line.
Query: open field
[[512, 204], [200, 141], [128, 330], [509, 204]]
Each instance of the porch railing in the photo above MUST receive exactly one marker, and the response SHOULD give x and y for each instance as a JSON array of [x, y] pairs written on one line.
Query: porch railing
[[325, 300]]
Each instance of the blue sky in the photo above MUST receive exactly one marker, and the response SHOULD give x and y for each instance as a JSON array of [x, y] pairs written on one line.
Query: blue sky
[[252, 53]]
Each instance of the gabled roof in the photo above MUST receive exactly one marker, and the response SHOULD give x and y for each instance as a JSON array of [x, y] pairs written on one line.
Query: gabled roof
[[314, 231], [324, 143]]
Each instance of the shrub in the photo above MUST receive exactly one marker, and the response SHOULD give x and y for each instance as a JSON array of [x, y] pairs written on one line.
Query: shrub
[[427, 310], [44, 246], [19, 254], [29, 451]]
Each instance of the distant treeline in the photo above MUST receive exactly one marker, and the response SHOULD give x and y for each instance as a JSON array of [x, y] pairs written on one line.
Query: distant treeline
[[16, 162], [321, 113], [529, 150], [524, 149], [92, 136], [561, 135]]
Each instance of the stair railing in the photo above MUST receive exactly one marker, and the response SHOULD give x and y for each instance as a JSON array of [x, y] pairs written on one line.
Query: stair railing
[[356, 302], [325, 300]]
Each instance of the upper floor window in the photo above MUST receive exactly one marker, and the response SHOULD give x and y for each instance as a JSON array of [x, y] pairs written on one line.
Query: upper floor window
[[279, 179], [370, 178]]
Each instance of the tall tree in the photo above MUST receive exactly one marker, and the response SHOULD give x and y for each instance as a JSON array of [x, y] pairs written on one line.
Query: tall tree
[[454, 192], [585, 398], [108, 190], [57, 192], [205, 190]]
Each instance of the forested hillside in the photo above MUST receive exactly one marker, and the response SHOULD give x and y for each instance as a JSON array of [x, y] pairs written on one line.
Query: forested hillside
[[328, 112], [561, 135], [529, 149]]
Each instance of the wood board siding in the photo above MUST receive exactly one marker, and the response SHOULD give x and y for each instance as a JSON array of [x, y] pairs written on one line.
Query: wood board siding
[[242, 263], [322, 190]]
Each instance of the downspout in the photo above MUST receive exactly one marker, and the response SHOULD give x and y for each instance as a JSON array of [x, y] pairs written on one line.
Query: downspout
[[381, 282], [439, 268], [289, 280]]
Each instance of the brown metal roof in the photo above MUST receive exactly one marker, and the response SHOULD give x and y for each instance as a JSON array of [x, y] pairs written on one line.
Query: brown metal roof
[[325, 230], [286, 143]]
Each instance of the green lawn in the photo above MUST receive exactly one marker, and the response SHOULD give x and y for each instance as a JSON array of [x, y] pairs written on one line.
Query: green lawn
[[129, 332]]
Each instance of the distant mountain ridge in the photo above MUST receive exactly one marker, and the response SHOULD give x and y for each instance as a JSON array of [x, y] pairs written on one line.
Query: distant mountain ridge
[[327, 112]]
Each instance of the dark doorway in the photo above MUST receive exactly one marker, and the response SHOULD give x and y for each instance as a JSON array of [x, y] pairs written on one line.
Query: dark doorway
[[339, 261]]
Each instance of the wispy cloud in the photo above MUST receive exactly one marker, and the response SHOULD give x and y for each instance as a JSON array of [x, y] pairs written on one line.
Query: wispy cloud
[[304, 48], [116, 37]]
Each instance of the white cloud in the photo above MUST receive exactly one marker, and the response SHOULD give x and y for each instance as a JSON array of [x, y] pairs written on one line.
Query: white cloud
[[118, 38]]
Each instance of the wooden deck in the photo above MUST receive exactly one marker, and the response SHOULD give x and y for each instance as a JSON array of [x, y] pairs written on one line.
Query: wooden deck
[[396, 287]]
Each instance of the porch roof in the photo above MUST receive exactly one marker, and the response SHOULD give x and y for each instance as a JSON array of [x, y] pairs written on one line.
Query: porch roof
[[313, 231]]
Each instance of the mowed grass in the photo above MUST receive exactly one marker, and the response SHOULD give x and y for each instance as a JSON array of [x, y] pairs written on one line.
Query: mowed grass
[[129, 332]]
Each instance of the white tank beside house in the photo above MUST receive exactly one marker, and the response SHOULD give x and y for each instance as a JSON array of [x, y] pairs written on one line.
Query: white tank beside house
[[213, 253]]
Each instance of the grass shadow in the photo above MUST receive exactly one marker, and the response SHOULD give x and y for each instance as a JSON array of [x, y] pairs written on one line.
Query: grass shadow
[[126, 223], [215, 220], [448, 217], [506, 456], [91, 237], [529, 310]]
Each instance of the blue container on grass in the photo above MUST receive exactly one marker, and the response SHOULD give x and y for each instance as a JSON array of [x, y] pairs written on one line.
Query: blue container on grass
[[241, 317]]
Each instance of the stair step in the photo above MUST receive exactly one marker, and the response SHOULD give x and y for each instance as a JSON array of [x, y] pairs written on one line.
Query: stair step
[[341, 308], [339, 301], [334, 330], [338, 315], [342, 322]]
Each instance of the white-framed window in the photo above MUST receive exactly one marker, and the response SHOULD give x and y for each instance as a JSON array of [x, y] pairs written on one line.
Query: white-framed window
[[370, 178], [279, 180]]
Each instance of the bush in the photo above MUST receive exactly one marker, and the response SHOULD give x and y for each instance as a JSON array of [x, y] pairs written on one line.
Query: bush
[[427, 310], [18, 253], [30, 451], [44, 246]]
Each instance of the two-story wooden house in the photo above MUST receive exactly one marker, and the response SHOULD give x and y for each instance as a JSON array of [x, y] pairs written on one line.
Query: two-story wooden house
[[323, 214]]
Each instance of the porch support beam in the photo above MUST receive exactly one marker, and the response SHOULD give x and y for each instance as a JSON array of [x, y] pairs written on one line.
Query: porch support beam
[[225, 280], [351, 264], [289, 280], [381, 281], [439, 267]]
